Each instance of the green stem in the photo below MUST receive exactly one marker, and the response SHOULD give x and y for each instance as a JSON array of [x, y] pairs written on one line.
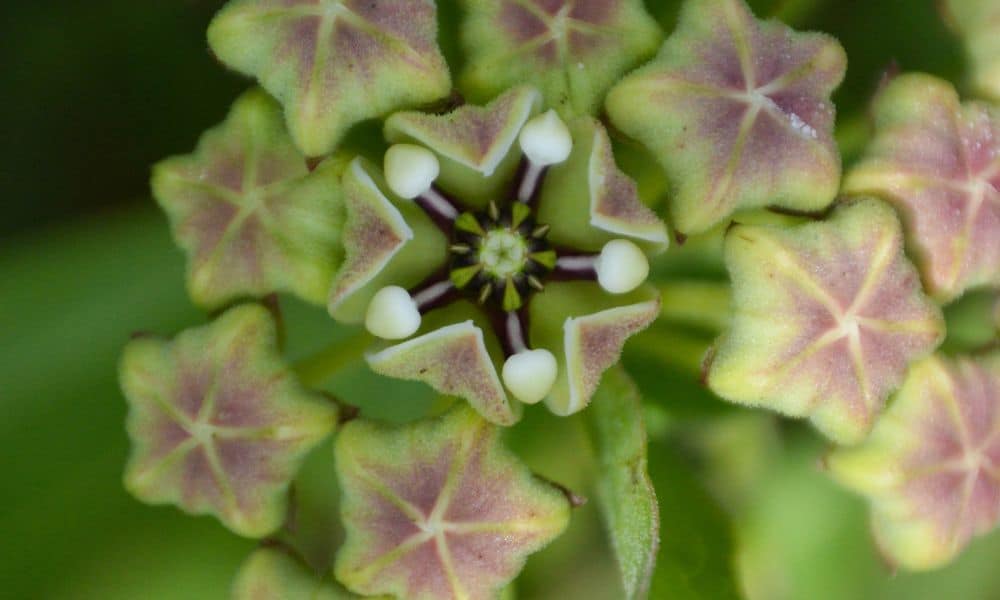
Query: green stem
[[320, 367], [671, 347], [703, 304], [795, 12]]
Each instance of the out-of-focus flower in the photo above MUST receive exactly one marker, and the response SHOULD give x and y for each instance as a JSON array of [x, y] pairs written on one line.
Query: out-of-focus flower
[[938, 162], [543, 249], [978, 23], [932, 464]]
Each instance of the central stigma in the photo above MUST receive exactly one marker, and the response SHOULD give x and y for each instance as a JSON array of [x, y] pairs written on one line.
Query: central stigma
[[500, 256], [503, 253]]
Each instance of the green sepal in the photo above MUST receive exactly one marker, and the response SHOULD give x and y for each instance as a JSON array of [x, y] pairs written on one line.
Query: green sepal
[[625, 492]]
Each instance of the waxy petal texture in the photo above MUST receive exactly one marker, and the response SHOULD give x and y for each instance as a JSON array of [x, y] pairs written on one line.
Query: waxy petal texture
[[273, 574], [573, 50], [454, 361], [931, 467], [978, 22], [333, 63], [218, 423], [828, 316], [439, 509], [738, 112], [938, 162], [248, 213]]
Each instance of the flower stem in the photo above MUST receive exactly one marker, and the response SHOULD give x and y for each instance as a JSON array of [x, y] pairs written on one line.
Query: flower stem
[[317, 369], [703, 304], [671, 347]]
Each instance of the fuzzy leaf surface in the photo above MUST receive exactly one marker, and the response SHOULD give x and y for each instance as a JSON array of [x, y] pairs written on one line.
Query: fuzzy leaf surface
[[626, 495]]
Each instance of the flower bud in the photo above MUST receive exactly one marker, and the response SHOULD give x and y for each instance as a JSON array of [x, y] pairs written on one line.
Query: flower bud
[[546, 140], [621, 267], [410, 170], [392, 314], [530, 375]]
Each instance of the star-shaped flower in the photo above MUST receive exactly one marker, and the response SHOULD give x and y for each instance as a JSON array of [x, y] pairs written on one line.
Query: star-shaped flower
[[439, 509], [248, 213], [333, 63], [738, 112], [573, 50], [827, 318], [938, 162], [218, 423], [932, 465], [539, 255]]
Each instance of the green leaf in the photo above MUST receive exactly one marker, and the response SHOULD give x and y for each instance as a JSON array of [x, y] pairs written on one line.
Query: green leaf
[[978, 23], [248, 213], [938, 161], [695, 560], [930, 467], [334, 63], [625, 492]]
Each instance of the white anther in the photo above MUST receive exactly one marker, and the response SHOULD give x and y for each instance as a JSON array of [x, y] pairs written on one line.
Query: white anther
[[621, 267], [530, 375], [392, 314], [410, 170], [546, 140]]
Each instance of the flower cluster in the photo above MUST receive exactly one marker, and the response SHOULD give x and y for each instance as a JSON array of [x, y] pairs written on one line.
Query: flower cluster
[[502, 251]]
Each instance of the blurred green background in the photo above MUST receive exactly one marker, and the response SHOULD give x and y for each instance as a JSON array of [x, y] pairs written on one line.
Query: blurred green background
[[95, 92]]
